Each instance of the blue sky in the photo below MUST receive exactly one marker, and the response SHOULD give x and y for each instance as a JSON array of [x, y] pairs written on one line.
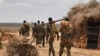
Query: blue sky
[[33, 10]]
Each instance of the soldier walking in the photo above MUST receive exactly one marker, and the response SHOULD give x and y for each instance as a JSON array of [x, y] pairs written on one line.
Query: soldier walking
[[34, 32], [43, 32], [65, 31], [51, 38], [39, 38], [25, 29], [47, 32]]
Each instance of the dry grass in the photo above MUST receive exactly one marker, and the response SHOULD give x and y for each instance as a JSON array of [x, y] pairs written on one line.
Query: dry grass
[[80, 13]]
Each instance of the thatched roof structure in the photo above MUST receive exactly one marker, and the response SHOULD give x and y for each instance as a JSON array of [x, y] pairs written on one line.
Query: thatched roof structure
[[80, 14]]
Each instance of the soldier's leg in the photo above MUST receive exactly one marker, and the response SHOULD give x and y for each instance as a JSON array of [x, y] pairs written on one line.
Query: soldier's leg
[[68, 47], [36, 40], [47, 36], [57, 33], [39, 39], [51, 49], [43, 41], [61, 48]]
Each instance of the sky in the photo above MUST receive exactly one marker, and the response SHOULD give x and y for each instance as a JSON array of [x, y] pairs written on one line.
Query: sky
[[33, 10]]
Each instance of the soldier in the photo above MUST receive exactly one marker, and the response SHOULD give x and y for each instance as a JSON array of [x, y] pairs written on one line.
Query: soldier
[[39, 33], [24, 31], [38, 22], [65, 31], [34, 32], [47, 32], [43, 32], [51, 38]]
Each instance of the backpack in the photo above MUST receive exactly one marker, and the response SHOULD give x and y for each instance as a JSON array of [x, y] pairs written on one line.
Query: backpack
[[66, 32]]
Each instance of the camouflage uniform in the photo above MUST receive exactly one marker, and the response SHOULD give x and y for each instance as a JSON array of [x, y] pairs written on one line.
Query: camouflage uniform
[[43, 31], [65, 39], [47, 32], [56, 31], [24, 30], [38, 37], [34, 32], [51, 38], [40, 33]]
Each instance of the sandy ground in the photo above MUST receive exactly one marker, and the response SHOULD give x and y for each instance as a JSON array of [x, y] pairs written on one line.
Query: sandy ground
[[43, 51], [74, 51]]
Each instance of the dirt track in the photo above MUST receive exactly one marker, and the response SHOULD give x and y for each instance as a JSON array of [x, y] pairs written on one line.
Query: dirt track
[[43, 51], [74, 51]]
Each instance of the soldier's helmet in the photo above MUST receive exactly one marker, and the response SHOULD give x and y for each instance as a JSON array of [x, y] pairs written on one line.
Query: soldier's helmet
[[35, 24], [65, 23], [66, 19], [38, 21], [50, 19], [25, 23], [42, 22]]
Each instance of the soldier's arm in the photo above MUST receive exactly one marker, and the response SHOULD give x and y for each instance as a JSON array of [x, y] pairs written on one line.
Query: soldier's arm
[[20, 31], [56, 31]]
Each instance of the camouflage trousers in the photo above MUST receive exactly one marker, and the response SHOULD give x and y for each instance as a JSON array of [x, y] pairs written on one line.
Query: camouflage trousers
[[40, 39], [51, 48], [47, 36], [43, 40], [68, 47]]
